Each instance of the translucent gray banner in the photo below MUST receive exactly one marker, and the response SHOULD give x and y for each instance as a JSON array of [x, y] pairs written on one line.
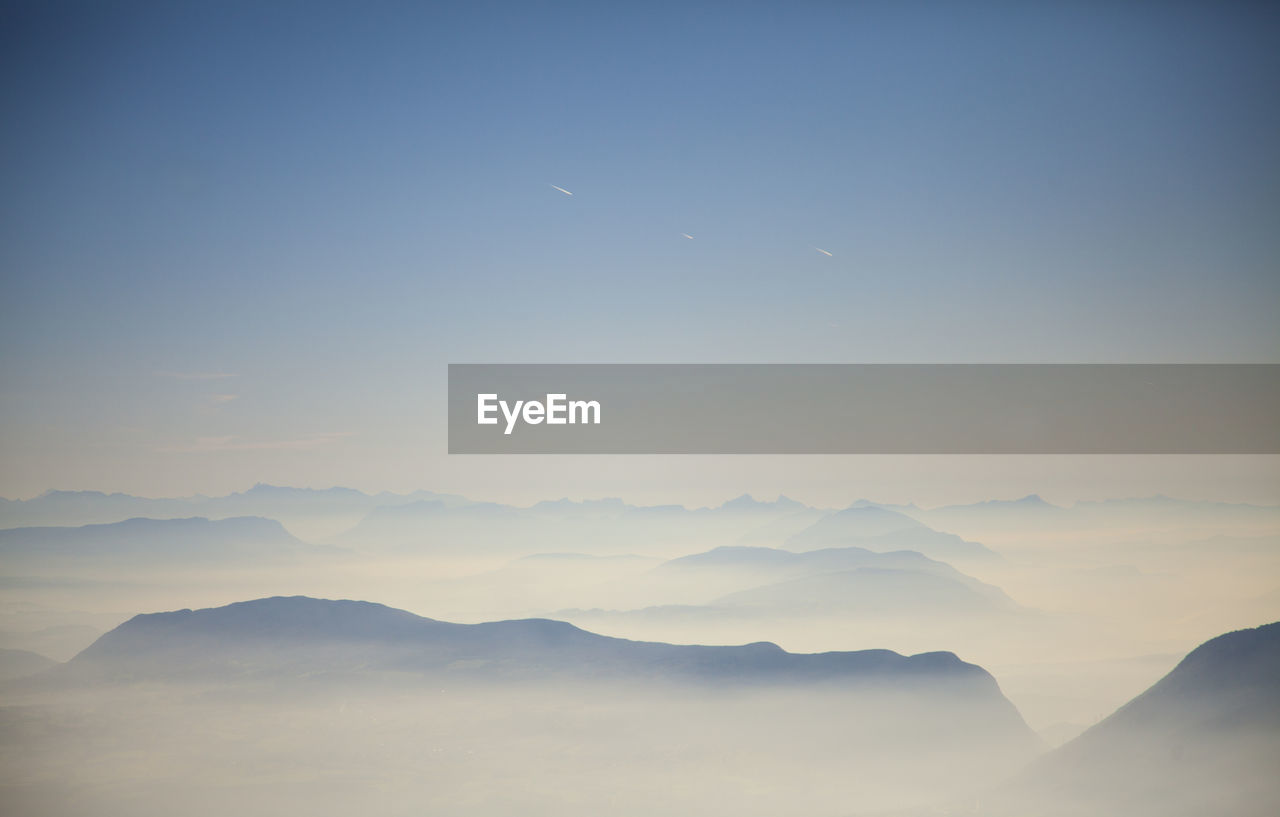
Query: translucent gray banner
[[864, 409]]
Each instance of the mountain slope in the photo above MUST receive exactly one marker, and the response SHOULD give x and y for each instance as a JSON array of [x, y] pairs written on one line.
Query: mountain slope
[[1202, 740]]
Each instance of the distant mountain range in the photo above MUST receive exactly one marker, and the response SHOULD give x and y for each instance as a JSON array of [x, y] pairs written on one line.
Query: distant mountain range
[[292, 506], [150, 543], [427, 523], [96, 507], [1150, 514]]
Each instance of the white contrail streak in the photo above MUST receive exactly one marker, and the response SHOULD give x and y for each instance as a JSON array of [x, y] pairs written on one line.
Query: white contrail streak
[[824, 252], [562, 190], [686, 235]]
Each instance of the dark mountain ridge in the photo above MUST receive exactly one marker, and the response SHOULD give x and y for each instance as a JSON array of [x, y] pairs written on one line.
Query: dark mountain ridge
[[299, 634]]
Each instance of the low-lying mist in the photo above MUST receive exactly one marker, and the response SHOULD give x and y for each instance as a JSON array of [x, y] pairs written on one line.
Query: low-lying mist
[[382, 746]]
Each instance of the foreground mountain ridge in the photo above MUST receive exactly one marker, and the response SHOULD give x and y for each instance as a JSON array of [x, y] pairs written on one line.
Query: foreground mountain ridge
[[289, 634], [1202, 740]]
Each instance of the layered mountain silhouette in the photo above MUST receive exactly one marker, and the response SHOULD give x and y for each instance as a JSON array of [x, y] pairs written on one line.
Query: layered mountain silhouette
[[881, 529], [429, 520], [759, 565], [754, 582], [1203, 740]]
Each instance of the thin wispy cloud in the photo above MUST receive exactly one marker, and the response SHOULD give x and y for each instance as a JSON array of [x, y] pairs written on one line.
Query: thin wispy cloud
[[196, 375], [562, 190], [219, 399], [208, 445]]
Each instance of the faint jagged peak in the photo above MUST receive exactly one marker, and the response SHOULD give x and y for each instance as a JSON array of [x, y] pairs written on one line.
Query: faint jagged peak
[[747, 502]]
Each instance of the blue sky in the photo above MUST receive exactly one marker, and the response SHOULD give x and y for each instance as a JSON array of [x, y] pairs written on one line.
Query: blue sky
[[329, 202]]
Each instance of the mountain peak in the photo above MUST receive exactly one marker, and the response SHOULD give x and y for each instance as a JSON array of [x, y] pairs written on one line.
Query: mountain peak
[[747, 502], [266, 489]]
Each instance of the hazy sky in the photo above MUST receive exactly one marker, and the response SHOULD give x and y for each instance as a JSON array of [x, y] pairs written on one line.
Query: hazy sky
[[242, 240]]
